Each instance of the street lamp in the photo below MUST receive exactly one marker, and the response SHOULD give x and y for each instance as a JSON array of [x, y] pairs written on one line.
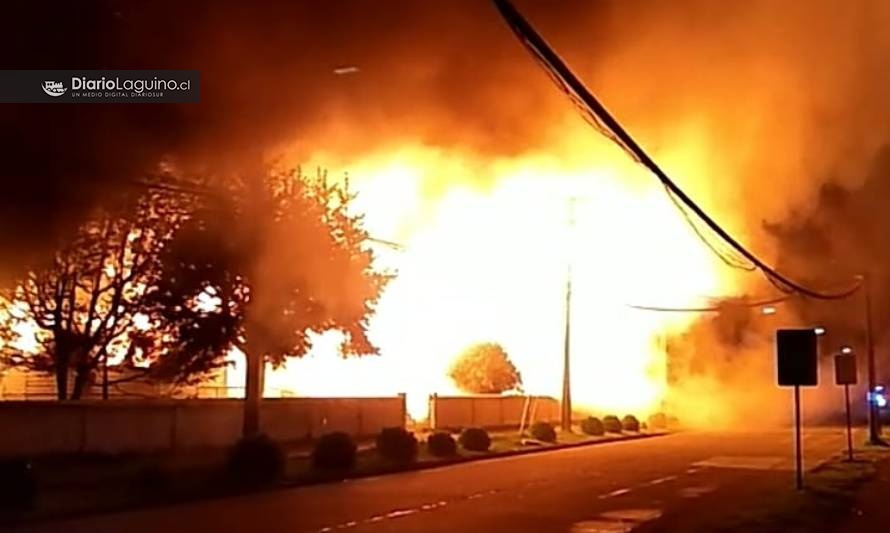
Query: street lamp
[[874, 422]]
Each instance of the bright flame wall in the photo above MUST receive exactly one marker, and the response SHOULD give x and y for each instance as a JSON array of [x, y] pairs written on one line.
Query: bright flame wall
[[487, 244]]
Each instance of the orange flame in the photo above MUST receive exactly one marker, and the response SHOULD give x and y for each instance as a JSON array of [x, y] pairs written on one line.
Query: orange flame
[[487, 246]]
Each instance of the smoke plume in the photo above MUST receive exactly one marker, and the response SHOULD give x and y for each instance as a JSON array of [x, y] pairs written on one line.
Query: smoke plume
[[774, 99]]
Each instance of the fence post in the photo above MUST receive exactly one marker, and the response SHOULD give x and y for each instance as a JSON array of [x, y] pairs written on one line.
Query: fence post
[[83, 426], [472, 411], [404, 397], [174, 426], [432, 409]]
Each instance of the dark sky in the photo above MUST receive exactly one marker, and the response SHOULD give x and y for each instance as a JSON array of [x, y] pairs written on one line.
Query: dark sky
[[444, 72], [266, 77]]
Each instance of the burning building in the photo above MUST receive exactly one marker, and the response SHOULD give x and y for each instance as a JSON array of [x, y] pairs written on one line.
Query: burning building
[[460, 151]]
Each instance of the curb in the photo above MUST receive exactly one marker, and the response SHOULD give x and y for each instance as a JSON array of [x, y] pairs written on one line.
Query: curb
[[440, 463], [290, 485]]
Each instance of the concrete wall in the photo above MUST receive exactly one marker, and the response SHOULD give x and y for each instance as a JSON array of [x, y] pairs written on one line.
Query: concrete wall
[[42, 427], [22, 384], [452, 412]]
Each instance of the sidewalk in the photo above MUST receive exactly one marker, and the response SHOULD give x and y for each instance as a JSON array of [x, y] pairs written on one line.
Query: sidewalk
[[75, 486], [759, 496], [839, 496], [871, 511]]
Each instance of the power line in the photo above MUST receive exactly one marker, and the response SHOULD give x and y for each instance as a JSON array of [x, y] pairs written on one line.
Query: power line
[[391, 244], [175, 186], [609, 126], [711, 309], [197, 190], [729, 258]]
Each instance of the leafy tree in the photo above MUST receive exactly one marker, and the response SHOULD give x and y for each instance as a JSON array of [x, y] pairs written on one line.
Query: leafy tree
[[260, 267], [87, 305], [485, 368]]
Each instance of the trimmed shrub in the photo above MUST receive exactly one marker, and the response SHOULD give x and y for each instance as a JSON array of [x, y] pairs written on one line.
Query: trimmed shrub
[[543, 432], [397, 445], [475, 440], [658, 421], [255, 460], [154, 479], [334, 451], [18, 487], [442, 444], [611, 424], [592, 426], [630, 423]]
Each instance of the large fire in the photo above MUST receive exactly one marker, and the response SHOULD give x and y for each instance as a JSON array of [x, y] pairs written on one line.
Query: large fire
[[487, 245]]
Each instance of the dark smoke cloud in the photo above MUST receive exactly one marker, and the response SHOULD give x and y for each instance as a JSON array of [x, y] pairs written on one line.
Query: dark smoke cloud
[[267, 77], [778, 90]]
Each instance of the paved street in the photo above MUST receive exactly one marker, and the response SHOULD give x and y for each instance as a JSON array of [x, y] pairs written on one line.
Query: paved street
[[650, 484]]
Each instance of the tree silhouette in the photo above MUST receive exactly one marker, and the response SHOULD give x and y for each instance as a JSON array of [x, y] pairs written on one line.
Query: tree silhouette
[[87, 305], [260, 267], [485, 368]]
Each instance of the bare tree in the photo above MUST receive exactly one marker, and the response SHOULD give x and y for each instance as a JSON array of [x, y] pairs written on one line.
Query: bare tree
[[86, 307]]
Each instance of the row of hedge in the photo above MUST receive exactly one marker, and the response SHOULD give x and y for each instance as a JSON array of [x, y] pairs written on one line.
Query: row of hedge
[[544, 432], [259, 460], [592, 425], [612, 424]]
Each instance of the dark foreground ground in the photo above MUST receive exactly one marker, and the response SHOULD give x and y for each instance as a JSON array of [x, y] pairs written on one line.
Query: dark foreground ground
[[684, 482]]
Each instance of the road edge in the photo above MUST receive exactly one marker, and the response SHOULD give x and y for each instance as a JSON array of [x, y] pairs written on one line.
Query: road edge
[[292, 485]]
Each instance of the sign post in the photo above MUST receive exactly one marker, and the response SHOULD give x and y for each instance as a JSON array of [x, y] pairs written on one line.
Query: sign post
[[845, 374], [798, 365]]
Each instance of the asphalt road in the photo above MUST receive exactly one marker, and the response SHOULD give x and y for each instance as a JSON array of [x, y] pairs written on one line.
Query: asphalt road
[[650, 484]]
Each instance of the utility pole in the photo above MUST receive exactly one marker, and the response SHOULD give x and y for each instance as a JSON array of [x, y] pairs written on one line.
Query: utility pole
[[566, 404], [105, 376], [874, 420], [258, 203], [254, 367]]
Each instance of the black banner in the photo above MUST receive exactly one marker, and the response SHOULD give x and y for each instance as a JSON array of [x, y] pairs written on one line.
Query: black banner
[[99, 86]]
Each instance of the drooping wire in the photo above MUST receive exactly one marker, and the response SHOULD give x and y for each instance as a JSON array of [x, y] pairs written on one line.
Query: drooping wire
[[609, 126], [710, 309], [179, 187], [728, 257]]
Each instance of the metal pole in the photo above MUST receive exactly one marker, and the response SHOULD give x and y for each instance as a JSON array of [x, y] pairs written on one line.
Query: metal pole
[[565, 418], [797, 443], [105, 377], [258, 201], [849, 422], [874, 423], [254, 365]]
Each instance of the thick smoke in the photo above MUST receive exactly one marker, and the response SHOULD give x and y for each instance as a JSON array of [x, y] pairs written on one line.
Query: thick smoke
[[775, 99], [428, 72], [779, 93]]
